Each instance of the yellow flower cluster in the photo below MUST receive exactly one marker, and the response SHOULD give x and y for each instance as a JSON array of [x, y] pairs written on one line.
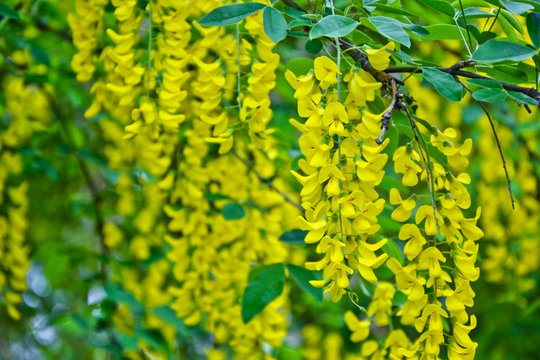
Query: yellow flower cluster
[[342, 166], [27, 111], [85, 25], [441, 253]]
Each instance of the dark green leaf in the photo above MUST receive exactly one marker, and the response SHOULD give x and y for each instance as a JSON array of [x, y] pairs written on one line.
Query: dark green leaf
[[265, 287], [388, 224], [274, 24], [487, 83], [506, 73], [391, 28], [533, 27], [298, 22], [8, 12], [292, 12], [522, 98], [489, 95], [230, 14], [233, 211], [314, 46], [216, 196], [444, 83], [441, 6], [416, 29], [303, 276], [388, 183], [494, 51], [294, 237], [333, 26]]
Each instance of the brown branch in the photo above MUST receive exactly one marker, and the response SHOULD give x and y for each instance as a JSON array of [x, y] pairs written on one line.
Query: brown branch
[[496, 139], [267, 182], [532, 92], [394, 105]]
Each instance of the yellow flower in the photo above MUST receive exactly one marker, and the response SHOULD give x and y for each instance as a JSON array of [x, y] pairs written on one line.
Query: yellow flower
[[359, 328], [334, 117], [326, 71], [429, 259], [404, 210], [380, 58], [414, 238]]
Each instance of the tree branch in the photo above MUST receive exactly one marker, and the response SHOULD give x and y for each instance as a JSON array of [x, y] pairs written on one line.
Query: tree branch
[[532, 92], [394, 105]]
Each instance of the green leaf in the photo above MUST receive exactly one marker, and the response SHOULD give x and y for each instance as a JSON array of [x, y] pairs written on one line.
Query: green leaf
[[388, 183], [444, 83], [393, 250], [266, 286], [274, 24], [473, 13], [533, 27], [292, 12], [494, 51], [294, 237], [487, 83], [216, 197], [233, 211], [314, 46], [167, 314], [506, 73], [522, 98], [333, 26], [230, 14], [399, 298], [392, 10], [512, 20], [388, 224], [303, 276], [117, 294], [489, 95], [8, 12], [298, 22], [517, 8], [391, 28], [441, 6], [300, 66]]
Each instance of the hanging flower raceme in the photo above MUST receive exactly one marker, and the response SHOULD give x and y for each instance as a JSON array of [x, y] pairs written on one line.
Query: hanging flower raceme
[[342, 166]]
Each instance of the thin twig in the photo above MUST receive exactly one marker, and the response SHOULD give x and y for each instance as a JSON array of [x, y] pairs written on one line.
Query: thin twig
[[496, 139], [394, 105], [428, 172], [267, 182]]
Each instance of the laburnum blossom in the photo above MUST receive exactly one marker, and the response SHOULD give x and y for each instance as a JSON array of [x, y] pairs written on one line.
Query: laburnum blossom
[[405, 163], [404, 210], [430, 260], [380, 58], [381, 303], [407, 280], [415, 240], [359, 328], [334, 117], [326, 71]]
